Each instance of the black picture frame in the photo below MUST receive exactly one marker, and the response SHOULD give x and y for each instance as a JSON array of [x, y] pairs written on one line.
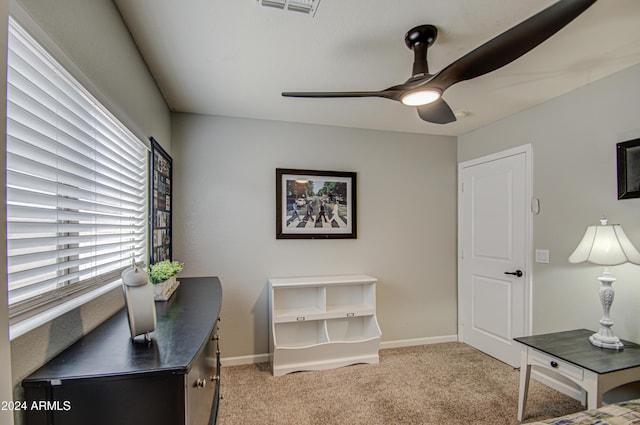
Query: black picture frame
[[324, 203], [628, 158], [161, 196]]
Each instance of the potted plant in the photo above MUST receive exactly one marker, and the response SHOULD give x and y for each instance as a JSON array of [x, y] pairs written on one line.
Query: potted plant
[[163, 277]]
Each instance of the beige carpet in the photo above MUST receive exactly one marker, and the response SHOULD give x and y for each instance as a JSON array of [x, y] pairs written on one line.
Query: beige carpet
[[438, 384]]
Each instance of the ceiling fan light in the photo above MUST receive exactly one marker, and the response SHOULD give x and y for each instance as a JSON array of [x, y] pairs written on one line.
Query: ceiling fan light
[[421, 97]]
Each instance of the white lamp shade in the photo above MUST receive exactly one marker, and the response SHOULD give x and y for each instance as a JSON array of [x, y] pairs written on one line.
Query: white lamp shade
[[606, 245]]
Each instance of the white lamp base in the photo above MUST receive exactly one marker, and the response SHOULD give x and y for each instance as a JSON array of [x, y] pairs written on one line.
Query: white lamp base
[[605, 338], [612, 343]]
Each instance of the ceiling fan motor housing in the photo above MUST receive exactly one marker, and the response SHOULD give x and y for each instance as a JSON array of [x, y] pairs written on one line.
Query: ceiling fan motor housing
[[424, 34], [419, 39]]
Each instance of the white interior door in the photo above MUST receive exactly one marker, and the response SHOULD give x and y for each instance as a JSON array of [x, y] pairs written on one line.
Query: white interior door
[[494, 235]]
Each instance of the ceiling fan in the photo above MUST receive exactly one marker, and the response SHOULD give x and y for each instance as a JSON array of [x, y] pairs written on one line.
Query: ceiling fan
[[425, 90]]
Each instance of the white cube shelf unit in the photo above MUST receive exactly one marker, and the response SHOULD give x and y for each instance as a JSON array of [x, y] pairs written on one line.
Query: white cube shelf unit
[[322, 322]]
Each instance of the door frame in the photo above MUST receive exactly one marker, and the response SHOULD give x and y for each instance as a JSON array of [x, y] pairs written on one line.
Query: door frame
[[528, 275]]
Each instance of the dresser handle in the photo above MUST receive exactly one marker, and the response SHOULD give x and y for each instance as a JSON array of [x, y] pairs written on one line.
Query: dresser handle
[[200, 383], [215, 377], [553, 364]]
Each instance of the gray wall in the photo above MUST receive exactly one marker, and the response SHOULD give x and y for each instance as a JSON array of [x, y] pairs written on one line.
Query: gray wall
[[224, 195], [574, 153], [101, 54]]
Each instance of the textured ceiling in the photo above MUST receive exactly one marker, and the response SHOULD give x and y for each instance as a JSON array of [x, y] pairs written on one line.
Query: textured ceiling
[[232, 58]]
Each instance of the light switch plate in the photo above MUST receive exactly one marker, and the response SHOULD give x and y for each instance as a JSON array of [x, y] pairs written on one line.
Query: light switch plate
[[542, 256]]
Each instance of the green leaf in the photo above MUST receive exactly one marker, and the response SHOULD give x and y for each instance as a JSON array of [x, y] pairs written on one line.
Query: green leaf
[[163, 270]]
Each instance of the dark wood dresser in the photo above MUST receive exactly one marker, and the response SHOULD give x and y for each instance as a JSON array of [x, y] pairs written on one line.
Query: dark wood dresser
[[105, 378]]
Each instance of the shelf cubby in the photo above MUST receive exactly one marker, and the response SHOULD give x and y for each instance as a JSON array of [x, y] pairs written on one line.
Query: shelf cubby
[[300, 334], [352, 329], [298, 303], [350, 299]]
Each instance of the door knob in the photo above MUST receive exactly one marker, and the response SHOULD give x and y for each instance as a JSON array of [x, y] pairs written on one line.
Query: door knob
[[517, 273]]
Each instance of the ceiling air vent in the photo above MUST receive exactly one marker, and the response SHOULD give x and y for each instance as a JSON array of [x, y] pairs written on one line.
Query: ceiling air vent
[[308, 7]]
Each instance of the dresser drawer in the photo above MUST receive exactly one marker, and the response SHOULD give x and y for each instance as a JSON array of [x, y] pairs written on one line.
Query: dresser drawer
[[537, 358]]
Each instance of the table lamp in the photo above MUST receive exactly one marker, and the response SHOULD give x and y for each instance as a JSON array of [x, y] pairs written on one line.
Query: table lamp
[[606, 245]]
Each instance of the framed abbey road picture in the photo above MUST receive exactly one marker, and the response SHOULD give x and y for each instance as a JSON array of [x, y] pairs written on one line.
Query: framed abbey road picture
[[314, 204], [161, 186]]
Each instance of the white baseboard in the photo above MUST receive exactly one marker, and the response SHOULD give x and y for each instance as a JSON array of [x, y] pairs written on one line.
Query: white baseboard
[[240, 360], [418, 341], [262, 358]]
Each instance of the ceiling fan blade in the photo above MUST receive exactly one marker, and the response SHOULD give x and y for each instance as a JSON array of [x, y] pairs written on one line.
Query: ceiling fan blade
[[382, 93], [437, 112], [511, 44]]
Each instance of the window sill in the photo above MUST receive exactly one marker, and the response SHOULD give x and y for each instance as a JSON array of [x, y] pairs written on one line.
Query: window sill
[[27, 325]]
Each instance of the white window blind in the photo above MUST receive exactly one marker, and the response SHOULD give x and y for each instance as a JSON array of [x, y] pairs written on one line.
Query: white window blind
[[76, 185]]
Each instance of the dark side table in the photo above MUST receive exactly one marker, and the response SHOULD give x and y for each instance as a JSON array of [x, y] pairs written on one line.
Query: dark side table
[[596, 370]]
